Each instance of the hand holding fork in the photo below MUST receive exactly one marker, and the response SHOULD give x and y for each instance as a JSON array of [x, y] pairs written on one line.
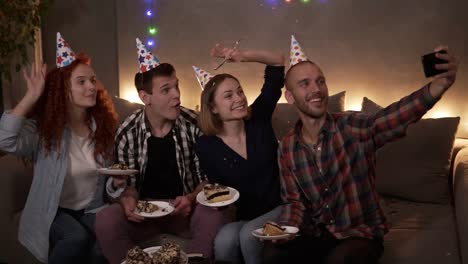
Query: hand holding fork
[[229, 54]]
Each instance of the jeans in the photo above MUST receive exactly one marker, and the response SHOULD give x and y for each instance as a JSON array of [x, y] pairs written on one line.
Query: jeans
[[235, 242], [72, 238], [117, 235], [326, 249]]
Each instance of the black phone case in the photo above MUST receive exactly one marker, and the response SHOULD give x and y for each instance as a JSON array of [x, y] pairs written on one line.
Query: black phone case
[[429, 61]]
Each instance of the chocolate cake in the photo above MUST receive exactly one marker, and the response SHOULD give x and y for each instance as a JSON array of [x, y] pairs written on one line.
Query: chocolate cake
[[137, 256], [271, 228], [216, 193], [146, 207], [119, 166], [169, 253]]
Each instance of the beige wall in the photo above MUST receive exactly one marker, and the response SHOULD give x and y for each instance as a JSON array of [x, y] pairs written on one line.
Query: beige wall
[[367, 48], [88, 26]]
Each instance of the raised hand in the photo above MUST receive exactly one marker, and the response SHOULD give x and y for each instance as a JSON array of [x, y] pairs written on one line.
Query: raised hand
[[443, 81], [35, 81], [236, 55], [229, 54]]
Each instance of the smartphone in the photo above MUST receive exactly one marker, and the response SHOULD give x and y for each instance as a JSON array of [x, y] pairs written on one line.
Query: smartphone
[[429, 61]]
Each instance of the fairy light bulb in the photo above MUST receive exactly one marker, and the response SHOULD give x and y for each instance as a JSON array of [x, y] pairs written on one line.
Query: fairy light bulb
[[152, 30]]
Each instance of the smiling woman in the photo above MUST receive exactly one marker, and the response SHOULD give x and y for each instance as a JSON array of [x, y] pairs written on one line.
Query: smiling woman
[[69, 89], [238, 150], [65, 125], [219, 91]]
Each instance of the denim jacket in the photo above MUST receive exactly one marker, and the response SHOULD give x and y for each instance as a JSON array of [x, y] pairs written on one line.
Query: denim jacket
[[19, 137]]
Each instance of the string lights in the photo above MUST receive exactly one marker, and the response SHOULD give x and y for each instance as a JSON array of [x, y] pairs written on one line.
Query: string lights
[[151, 30], [277, 2]]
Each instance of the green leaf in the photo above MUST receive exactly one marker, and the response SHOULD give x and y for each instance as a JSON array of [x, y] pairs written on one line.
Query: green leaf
[[18, 21]]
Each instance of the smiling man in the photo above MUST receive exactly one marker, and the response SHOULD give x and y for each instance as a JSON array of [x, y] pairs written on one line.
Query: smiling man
[[327, 165], [158, 141]]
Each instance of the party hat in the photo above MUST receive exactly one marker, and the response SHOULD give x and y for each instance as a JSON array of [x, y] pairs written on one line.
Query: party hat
[[146, 59], [297, 54], [64, 54], [203, 76]]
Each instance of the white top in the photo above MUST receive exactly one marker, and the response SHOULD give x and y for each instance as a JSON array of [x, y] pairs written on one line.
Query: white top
[[80, 182]]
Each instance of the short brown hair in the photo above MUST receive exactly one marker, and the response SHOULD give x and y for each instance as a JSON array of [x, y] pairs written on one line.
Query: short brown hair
[[209, 122], [144, 81]]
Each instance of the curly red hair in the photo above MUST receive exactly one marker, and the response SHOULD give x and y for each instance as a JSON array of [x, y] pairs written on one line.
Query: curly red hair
[[50, 111]]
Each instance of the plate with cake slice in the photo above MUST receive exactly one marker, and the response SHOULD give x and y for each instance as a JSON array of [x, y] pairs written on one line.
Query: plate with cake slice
[[153, 208], [274, 231], [217, 195], [168, 253], [117, 169]]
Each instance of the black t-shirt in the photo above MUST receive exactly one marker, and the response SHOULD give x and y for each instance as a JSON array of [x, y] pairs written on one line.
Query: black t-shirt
[[162, 179]]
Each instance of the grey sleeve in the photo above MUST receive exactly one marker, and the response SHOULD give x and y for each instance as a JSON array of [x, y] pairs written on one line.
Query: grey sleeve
[[18, 136]]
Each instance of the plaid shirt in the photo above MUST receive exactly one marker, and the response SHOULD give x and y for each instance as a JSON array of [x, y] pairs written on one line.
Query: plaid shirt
[[131, 146], [333, 182]]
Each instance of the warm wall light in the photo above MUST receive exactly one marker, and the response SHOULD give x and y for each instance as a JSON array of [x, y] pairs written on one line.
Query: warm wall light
[[439, 112], [130, 94], [463, 129], [353, 103], [282, 99]]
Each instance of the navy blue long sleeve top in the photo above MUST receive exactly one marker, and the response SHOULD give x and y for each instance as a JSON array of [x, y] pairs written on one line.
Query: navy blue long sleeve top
[[257, 177]]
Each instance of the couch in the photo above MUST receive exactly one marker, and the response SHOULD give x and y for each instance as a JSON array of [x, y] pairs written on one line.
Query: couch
[[424, 229]]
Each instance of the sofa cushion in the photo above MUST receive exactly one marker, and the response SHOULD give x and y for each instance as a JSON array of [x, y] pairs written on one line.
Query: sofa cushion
[[420, 233], [285, 115], [369, 106], [417, 166], [124, 108], [15, 182]]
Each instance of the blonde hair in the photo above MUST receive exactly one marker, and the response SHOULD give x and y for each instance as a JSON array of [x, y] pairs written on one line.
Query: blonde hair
[[209, 122]]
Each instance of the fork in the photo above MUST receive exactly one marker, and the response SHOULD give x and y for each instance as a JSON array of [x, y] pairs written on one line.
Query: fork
[[225, 60]]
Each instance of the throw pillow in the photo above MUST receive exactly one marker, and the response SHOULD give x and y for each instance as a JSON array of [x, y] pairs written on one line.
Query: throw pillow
[[416, 167], [124, 108]]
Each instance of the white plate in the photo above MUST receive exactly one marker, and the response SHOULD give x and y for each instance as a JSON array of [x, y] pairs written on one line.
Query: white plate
[[201, 199], [290, 230], [164, 209], [108, 171], [151, 250]]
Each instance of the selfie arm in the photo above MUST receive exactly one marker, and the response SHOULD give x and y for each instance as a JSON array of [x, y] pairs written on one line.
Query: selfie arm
[[443, 81]]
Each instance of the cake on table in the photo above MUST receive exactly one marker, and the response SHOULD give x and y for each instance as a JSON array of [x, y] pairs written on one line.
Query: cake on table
[[216, 193], [137, 256], [168, 253]]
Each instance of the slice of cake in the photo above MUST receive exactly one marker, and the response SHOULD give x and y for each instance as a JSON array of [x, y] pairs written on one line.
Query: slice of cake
[[216, 193], [137, 256], [169, 253], [146, 207], [272, 229]]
